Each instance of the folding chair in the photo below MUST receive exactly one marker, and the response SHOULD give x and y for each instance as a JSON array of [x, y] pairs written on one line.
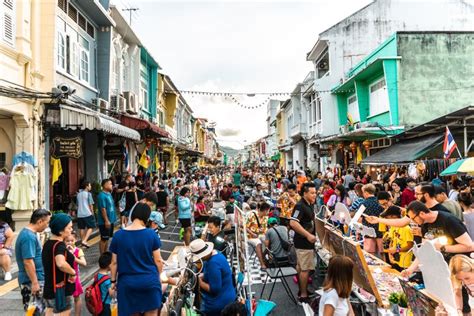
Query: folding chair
[[278, 272]]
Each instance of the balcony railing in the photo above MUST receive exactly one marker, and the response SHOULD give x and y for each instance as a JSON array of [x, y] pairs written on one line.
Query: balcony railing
[[298, 130]]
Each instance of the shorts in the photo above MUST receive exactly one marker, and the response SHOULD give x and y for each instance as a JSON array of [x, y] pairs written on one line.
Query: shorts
[[185, 222], [51, 304], [86, 222], [373, 245], [305, 259], [25, 290], [106, 233]]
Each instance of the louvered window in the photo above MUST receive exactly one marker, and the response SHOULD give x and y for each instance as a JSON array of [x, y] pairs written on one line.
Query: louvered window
[[81, 20], [62, 4], [72, 13], [7, 21]]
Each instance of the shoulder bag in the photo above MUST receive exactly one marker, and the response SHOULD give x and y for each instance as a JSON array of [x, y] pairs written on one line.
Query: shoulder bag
[[60, 288]]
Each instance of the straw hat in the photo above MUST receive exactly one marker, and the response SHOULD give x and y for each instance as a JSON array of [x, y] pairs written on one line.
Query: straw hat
[[199, 249]]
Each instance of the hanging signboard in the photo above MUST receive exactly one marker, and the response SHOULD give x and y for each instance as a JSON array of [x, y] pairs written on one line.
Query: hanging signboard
[[113, 152], [324, 152], [67, 147]]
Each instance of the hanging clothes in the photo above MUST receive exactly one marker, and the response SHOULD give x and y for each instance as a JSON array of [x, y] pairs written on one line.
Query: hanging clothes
[[56, 170], [22, 188], [24, 157]]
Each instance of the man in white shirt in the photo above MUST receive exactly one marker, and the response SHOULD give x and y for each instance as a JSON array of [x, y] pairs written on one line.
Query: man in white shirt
[[85, 213]]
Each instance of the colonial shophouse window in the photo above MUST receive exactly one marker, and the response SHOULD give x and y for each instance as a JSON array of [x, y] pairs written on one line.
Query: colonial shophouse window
[[353, 108], [144, 87], [75, 39], [7, 21], [378, 97]]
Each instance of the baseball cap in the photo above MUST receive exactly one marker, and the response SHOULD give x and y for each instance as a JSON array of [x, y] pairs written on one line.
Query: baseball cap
[[157, 218], [272, 221]]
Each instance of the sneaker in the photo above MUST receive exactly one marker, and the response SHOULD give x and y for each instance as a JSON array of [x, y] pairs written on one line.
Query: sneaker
[[8, 276], [302, 300]]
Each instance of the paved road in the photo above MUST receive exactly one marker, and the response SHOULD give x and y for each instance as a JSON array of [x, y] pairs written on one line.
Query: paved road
[[10, 298]]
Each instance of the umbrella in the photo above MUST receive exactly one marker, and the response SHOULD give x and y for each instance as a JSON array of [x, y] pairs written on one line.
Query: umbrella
[[463, 166]]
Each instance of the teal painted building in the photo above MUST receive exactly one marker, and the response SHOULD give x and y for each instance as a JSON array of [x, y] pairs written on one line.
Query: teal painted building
[[410, 79], [148, 86]]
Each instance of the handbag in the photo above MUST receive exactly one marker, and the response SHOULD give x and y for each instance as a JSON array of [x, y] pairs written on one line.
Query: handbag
[[60, 288]]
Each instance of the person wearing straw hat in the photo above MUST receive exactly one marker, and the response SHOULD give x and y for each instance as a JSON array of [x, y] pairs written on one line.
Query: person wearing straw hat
[[215, 281]]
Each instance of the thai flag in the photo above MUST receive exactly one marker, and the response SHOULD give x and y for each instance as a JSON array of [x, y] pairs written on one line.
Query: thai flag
[[126, 157], [449, 144]]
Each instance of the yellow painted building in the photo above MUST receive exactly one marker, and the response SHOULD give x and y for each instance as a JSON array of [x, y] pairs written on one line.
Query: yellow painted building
[[21, 67], [168, 102], [280, 130]]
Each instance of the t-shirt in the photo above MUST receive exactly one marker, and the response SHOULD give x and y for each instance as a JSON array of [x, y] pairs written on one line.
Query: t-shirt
[[446, 224], [400, 237], [341, 308], [28, 246], [84, 200], [218, 241], [439, 207], [225, 195], [304, 214], [454, 208], [257, 195], [348, 179], [372, 208], [236, 177], [162, 198], [105, 200], [47, 258], [218, 275], [275, 244], [104, 288]]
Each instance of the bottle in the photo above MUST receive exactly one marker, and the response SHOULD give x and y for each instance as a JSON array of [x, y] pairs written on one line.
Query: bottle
[[113, 307], [31, 309]]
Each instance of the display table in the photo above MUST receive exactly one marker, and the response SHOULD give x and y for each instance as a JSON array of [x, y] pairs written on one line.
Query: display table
[[375, 279]]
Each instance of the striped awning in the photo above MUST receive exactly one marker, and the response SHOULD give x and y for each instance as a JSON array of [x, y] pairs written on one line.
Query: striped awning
[[84, 119]]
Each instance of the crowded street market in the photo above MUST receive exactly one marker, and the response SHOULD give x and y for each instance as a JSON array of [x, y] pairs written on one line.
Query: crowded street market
[[279, 158]]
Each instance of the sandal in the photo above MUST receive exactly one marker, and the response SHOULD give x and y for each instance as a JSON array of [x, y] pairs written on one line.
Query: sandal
[[85, 245]]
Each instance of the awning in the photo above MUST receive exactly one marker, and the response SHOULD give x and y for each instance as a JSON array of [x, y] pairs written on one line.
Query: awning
[[140, 124], [84, 119], [364, 133], [404, 152], [180, 148], [111, 127]]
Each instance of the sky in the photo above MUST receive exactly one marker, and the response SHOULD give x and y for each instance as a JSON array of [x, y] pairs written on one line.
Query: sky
[[235, 46]]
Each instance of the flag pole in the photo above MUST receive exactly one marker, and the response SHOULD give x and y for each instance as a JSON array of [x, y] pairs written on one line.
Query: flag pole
[[459, 153]]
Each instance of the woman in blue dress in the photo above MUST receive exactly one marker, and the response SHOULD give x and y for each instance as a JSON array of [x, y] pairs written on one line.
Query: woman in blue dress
[[136, 266]]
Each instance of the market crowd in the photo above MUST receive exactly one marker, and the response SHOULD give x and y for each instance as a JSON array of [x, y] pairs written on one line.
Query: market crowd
[[280, 208]]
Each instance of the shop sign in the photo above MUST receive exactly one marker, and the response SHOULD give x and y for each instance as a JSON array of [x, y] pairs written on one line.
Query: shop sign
[[113, 152], [324, 152], [67, 147]]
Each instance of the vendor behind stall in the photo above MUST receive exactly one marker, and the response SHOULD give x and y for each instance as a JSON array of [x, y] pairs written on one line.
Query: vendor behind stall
[[215, 281], [399, 241]]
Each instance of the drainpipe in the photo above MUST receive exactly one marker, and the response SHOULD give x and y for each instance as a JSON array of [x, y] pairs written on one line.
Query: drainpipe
[[465, 138]]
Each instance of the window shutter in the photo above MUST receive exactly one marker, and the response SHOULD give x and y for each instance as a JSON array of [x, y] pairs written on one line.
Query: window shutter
[[8, 32]]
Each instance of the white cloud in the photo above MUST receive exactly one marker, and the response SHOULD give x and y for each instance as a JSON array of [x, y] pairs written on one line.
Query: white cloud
[[238, 46]]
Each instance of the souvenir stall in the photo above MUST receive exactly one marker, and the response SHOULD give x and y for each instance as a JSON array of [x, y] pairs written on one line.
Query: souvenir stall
[[376, 283]]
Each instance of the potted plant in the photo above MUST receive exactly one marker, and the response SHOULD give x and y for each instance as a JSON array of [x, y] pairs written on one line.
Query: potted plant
[[394, 299], [402, 304]]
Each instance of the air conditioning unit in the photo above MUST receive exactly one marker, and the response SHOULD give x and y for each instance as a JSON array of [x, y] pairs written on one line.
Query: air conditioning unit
[[343, 129], [102, 105], [118, 103], [132, 102]]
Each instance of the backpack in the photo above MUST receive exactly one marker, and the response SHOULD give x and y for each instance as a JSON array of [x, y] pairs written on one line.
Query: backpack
[[93, 296]]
